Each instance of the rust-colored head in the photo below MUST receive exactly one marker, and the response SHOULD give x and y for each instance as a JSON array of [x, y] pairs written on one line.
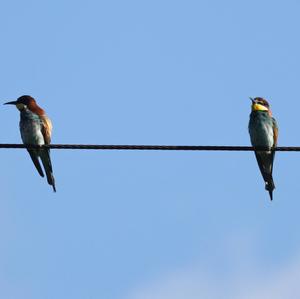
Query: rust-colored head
[[29, 102]]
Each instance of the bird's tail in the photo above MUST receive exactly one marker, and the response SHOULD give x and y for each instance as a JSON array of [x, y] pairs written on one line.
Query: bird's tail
[[45, 157], [270, 186], [35, 159], [265, 163]]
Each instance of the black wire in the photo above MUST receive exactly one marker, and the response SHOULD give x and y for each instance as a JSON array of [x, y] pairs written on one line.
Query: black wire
[[151, 147]]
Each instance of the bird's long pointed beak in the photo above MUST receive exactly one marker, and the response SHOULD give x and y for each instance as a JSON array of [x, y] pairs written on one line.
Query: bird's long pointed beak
[[11, 103], [252, 100]]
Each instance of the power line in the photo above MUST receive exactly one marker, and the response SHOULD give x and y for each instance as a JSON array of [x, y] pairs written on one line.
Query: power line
[[150, 147]]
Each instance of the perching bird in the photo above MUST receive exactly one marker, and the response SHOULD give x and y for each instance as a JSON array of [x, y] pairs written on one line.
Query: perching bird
[[263, 131], [35, 128]]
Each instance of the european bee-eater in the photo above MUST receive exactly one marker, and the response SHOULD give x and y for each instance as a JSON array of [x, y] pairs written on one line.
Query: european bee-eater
[[263, 131], [35, 128]]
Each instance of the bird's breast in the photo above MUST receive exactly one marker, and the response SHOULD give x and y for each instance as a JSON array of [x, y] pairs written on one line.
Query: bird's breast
[[30, 128], [261, 130]]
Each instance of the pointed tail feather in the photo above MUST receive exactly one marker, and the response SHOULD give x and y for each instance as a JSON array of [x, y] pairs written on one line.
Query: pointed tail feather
[[270, 186], [45, 157], [36, 162]]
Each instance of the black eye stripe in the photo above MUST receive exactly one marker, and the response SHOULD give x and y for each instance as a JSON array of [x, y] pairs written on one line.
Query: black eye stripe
[[263, 104]]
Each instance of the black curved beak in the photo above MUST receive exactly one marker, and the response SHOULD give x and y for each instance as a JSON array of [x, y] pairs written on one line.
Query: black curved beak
[[11, 103], [253, 101]]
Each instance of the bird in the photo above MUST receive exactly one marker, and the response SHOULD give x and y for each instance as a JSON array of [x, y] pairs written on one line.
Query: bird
[[35, 129], [263, 130]]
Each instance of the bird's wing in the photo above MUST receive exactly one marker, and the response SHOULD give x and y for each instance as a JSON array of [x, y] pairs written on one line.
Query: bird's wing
[[275, 131], [46, 128], [45, 153], [275, 137]]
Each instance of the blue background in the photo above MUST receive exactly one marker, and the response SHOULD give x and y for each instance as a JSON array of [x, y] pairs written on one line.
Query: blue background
[[139, 225]]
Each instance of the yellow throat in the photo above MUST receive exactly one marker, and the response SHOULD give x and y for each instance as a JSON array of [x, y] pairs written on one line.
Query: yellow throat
[[259, 107]]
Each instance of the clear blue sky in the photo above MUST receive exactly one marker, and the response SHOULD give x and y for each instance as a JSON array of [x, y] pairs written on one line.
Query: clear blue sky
[[150, 225]]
